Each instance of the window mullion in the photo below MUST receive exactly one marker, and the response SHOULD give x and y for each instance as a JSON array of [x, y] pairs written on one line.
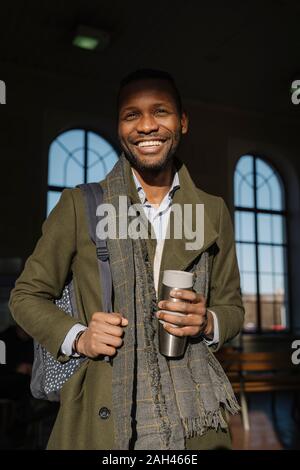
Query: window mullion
[[258, 318], [85, 150]]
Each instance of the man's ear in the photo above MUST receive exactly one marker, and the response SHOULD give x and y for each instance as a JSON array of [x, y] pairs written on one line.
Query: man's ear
[[184, 122]]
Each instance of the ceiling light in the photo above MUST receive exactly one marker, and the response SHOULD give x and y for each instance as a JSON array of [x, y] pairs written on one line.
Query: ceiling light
[[91, 39]]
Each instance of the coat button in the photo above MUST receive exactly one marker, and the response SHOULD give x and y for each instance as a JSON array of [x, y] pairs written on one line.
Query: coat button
[[104, 413]]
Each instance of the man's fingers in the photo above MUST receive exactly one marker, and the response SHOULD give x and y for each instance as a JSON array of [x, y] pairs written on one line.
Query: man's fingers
[[185, 331], [111, 329], [111, 318], [108, 351], [183, 320], [188, 295], [106, 339], [124, 321], [182, 307]]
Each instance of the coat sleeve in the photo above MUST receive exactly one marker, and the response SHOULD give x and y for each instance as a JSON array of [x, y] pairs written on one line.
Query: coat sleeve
[[43, 278], [225, 293]]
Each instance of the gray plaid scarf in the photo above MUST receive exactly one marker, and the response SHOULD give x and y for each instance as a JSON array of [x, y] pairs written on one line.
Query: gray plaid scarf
[[187, 394]]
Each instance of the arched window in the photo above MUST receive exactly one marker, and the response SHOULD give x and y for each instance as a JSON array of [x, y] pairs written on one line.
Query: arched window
[[261, 241], [77, 156]]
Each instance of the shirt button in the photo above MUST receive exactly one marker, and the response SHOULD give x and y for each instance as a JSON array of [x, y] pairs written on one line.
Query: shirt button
[[104, 413]]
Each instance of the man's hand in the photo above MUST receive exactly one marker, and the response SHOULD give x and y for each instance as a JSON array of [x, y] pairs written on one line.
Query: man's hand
[[103, 335], [197, 318]]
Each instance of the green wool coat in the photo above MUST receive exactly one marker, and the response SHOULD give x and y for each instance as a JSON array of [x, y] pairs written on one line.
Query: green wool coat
[[65, 245]]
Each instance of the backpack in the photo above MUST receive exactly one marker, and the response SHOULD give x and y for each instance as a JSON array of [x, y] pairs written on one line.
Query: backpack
[[48, 374]]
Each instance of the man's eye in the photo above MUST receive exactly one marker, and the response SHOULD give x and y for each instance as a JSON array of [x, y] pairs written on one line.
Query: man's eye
[[130, 116], [161, 111]]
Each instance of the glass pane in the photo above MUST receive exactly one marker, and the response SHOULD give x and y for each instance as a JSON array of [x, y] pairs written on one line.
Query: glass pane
[[273, 314], [72, 140], [244, 226], [274, 305], [264, 198], [263, 174], [74, 168], [266, 284], [52, 200], [265, 259], [270, 228], [246, 257], [279, 254], [270, 284], [264, 228], [101, 157], [243, 182], [250, 322], [57, 158], [279, 284], [278, 227], [277, 193], [66, 159], [248, 285], [269, 192], [267, 310]]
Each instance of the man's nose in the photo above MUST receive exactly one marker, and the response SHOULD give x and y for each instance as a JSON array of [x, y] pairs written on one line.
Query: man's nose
[[147, 124]]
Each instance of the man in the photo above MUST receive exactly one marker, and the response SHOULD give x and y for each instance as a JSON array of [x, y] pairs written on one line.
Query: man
[[140, 399]]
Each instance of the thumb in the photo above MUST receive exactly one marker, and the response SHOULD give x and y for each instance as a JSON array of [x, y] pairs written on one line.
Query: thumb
[[124, 321]]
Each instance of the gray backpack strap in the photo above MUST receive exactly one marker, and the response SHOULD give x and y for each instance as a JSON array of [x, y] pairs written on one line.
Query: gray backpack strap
[[93, 198]]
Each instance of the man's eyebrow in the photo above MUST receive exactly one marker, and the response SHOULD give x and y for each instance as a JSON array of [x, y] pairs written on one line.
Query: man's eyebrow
[[129, 108], [161, 103], [132, 107]]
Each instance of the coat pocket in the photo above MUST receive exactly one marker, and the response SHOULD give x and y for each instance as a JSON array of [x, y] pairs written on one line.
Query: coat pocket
[[74, 387]]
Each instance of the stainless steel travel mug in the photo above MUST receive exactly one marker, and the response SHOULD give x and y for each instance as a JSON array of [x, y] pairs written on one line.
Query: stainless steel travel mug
[[171, 345]]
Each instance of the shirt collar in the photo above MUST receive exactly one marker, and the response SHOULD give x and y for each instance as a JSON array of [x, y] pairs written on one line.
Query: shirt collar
[[175, 185]]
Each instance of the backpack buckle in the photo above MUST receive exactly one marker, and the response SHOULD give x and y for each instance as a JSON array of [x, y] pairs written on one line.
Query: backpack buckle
[[102, 253]]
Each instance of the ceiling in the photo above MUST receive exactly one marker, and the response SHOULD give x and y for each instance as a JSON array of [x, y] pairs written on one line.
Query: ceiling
[[237, 53]]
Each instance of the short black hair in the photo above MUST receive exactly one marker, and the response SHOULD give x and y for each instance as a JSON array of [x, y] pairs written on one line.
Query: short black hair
[[146, 74]]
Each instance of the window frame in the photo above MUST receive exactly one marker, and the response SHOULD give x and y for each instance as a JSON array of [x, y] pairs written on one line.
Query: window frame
[[285, 245], [85, 130]]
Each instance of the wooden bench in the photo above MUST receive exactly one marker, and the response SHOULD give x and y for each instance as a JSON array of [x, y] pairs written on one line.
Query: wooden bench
[[251, 372]]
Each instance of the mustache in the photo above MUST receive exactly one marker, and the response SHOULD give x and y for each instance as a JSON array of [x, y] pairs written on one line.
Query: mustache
[[152, 136]]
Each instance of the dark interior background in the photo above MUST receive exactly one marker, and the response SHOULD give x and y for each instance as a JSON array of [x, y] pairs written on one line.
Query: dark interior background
[[233, 62]]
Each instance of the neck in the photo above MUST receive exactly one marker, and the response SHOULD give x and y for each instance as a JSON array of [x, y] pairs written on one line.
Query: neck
[[156, 184]]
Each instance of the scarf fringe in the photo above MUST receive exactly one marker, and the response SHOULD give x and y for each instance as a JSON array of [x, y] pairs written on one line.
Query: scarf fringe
[[212, 419], [231, 403], [198, 426]]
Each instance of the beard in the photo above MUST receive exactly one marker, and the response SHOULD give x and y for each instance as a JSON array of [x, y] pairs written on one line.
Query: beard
[[151, 163]]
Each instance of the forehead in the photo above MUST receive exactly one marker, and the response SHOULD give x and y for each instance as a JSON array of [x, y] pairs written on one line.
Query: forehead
[[146, 92]]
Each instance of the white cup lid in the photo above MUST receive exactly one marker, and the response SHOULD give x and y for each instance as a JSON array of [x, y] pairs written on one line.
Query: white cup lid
[[180, 279]]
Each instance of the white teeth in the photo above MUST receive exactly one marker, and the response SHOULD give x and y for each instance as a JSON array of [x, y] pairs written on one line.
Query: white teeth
[[148, 143]]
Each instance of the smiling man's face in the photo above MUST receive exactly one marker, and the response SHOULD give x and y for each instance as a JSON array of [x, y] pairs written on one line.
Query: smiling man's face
[[150, 124]]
